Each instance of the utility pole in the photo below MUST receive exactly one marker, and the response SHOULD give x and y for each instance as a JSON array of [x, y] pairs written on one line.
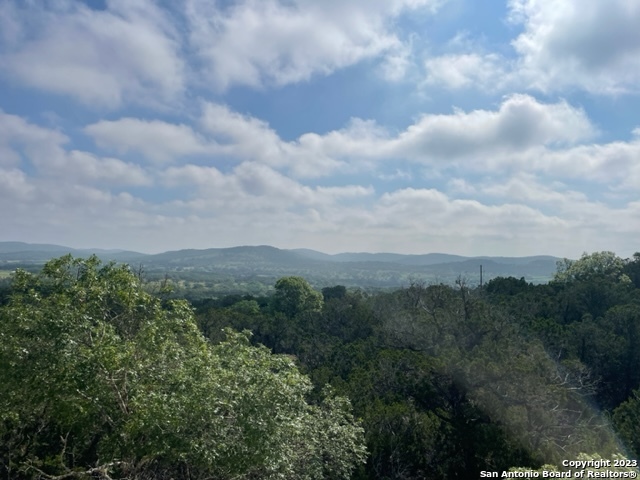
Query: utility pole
[[480, 276]]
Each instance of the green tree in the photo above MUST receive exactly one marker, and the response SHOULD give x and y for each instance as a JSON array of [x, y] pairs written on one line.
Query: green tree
[[632, 269], [605, 264], [609, 347], [294, 296], [337, 292], [102, 380], [626, 419]]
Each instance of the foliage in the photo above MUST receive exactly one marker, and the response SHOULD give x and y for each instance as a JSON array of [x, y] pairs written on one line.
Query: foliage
[[606, 264], [632, 269], [294, 296], [103, 380], [627, 420], [337, 292], [452, 381]]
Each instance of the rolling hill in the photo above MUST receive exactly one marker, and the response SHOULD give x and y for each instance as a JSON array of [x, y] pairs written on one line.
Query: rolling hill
[[266, 263]]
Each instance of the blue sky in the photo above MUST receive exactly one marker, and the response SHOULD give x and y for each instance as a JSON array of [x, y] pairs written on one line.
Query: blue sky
[[411, 126]]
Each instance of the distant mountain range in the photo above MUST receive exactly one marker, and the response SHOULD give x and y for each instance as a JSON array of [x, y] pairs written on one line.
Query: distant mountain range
[[351, 269], [37, 253]]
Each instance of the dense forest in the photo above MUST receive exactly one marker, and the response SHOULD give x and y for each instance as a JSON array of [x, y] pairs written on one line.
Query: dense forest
[[105, 375]]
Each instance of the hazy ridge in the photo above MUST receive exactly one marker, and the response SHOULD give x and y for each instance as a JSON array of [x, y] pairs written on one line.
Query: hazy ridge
[[355, 269]]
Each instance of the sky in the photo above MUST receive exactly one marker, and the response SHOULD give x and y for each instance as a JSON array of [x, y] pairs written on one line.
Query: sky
[[411, 126]]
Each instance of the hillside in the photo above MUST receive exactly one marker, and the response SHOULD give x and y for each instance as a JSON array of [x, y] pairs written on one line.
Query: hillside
[[265, 264]]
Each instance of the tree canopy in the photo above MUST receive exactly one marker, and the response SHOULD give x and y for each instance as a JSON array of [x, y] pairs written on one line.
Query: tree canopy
[[604, 264], [294, 296], [105, 380], [101, 379]]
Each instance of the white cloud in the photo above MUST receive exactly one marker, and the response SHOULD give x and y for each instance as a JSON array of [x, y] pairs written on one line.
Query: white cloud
[[272, 42], [456, 216], [429, 217], [464, 70], [591, 224], [257, 205], [138, 52], [398, 174], [460, 185], [614, 163], [522, 134], [20, 138], [224, 134], [48, 208], [279, 210], [44, 148], [248, 138], [194, 175], [528, 189], [260, 200], [485, 137], [253, 185], [247, 135], [14, 186], [397, 63], [82, 167], [589, 44], [524, 176], [517, 226], [158, 141], [127, 53], [478, 139]]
